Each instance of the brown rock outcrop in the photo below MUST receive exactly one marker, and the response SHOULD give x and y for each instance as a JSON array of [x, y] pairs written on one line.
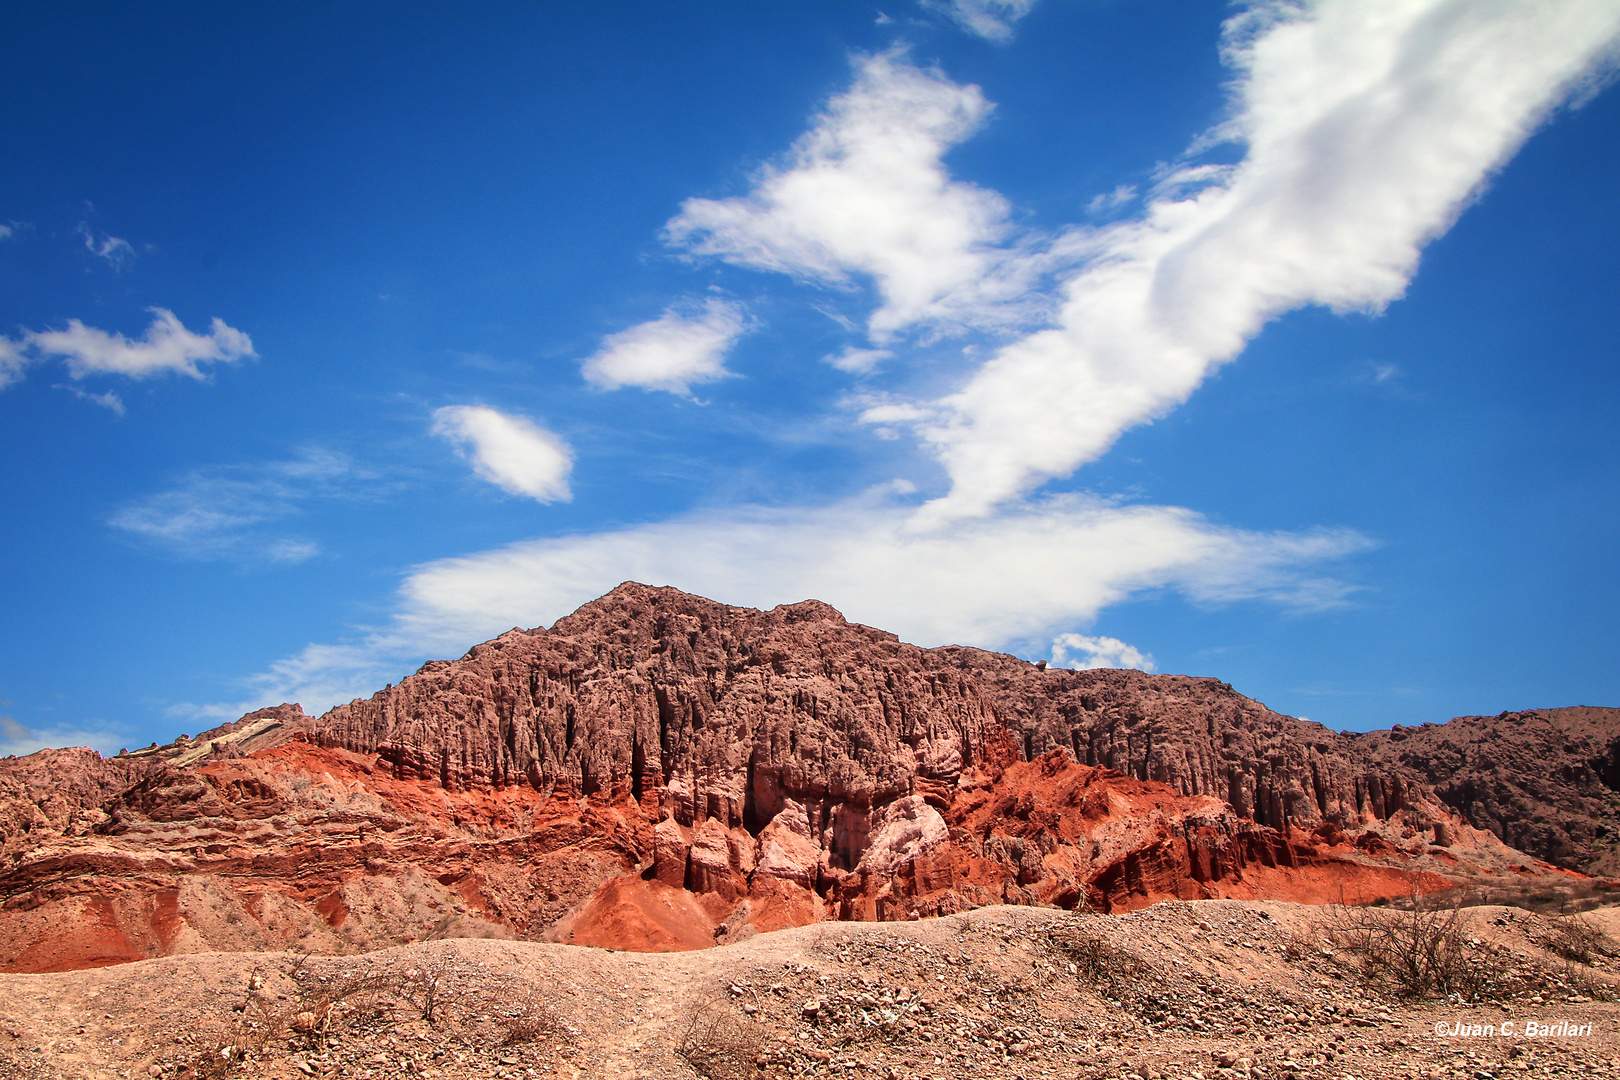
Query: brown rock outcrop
[[658, 770], [1546, 781]]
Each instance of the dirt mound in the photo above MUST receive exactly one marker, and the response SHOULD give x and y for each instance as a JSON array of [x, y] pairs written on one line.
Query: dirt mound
[[1176, 991]]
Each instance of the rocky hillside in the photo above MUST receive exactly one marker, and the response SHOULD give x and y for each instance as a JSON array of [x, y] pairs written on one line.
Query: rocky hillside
[[660, 771], [1546, 781]]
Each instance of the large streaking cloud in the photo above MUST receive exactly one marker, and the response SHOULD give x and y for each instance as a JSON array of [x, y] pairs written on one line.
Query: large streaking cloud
[[1368, 126], [166, 346], [511, 452], [865, 192], [671, 352]]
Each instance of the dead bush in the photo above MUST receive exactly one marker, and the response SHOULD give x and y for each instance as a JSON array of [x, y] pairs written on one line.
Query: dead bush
[[1416, 953], [531, 1023], [719, 1044], [1109, 968], [465, 1004], [1577, 938]]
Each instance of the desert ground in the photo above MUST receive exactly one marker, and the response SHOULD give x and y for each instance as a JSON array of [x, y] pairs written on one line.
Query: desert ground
[[1194, 989]]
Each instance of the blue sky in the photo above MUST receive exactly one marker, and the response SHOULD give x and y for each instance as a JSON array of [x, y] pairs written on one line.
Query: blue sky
[[1266, 342]]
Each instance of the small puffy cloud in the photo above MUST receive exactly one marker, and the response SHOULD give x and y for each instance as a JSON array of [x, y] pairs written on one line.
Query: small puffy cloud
[[669, 353], [1082, 653], [120, 253], [865, 192], [166, 346], [511, 452], [990, 19], [858, 361]]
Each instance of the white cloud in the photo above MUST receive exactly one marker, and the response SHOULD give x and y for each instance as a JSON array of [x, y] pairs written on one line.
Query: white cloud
[[12, 361], [166, 346], [989, 19], [5, 231], [671, 352], [15, 738], [1104, 204], [1002, 582], [1368, 126], [109, 400], [858, 361], [1081, 653], [119, 253], [226, 512], [865, 192], [511, 452]]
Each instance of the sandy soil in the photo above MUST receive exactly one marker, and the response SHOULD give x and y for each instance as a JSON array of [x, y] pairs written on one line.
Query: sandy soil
[[1198, 990]]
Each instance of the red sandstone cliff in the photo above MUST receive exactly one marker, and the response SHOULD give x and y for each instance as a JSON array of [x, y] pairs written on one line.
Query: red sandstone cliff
[[661, 771]]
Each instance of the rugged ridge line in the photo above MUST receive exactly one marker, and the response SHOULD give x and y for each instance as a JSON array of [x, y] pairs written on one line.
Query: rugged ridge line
[[662, 771]]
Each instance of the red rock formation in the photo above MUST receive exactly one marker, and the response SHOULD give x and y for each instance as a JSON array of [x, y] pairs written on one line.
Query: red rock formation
[[659, 771]]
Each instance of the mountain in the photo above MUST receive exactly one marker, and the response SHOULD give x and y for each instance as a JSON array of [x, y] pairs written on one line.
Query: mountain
[[661, 771]]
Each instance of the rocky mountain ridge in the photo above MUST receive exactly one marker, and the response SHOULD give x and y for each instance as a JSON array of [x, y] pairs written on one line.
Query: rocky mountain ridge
[[660, 771]]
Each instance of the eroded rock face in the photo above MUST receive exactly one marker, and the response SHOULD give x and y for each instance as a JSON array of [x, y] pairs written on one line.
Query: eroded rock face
[[661, 771], [1201, 737], [1546, 781]]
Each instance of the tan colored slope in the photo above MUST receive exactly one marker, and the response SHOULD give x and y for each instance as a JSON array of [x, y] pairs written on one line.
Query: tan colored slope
[[993, 993]]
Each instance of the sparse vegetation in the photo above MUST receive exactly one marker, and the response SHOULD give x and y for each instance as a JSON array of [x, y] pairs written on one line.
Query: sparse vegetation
[[1108, 968], [1578, 939], [1416, 952], [718, 1043]]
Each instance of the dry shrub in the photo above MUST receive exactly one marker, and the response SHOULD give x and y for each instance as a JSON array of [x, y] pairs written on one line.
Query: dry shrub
[[434, 990], [1415, 953], [1109, 968], [718, 1044], [1577, 938]]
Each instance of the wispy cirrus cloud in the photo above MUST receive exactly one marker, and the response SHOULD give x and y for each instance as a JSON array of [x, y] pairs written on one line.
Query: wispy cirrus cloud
[[117, 252], [13, 361], [239, 512], [990, 19], [512, 452], [671, 352], [106, 399]]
